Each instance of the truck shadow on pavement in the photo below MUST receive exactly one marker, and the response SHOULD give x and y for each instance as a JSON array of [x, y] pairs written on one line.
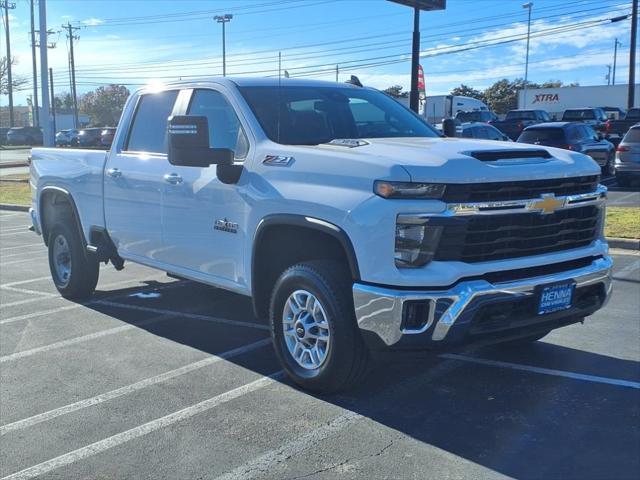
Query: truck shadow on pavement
[[520, 424]]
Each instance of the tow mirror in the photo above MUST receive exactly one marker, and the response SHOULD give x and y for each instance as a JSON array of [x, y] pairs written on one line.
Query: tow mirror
[[188, 138], [449, 127]]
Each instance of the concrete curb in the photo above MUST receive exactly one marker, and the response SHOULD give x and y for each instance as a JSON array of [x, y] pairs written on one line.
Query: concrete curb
[[15, 208], [625, 243], [14, 180], [14, 164]]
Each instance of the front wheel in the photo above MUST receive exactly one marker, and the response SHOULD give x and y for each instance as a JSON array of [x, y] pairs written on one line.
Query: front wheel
[[74, 271], [314, 329]]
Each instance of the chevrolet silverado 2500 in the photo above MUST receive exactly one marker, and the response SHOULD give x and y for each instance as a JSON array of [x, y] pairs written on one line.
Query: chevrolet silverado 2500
[[351, 223]]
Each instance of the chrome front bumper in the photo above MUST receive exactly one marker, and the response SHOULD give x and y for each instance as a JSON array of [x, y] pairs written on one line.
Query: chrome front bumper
[[380, 309]]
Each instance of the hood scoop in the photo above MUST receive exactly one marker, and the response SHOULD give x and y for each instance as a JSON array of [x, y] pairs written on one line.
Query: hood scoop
[[512, 154]]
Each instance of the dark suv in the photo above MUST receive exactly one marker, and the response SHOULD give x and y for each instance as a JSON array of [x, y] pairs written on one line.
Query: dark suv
[[572, 136], [89, 137], [24, 136], [595, 117]]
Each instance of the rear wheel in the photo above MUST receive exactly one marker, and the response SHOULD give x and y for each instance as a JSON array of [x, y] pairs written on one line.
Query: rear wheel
[[314, 329], [609, 167], [73, 269]]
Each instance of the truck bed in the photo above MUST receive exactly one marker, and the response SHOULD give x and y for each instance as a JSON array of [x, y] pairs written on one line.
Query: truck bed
[[78, 171]]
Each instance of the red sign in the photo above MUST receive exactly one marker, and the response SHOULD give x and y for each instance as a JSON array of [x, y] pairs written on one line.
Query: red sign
[[421, 88]]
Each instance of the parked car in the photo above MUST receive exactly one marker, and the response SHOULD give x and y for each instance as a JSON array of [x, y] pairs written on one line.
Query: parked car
[[24, 136], [106, 136], [614, 113], [3, 135], [89, 137], [517, 120], [483, 131], [485, 116], [68, 137], [594, 117], [348, 220], [574, 136], [616, 129], [627, 163]]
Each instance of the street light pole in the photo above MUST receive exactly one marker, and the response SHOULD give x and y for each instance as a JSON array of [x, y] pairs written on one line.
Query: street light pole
[[528, 6], [223, 19], [615, 59]]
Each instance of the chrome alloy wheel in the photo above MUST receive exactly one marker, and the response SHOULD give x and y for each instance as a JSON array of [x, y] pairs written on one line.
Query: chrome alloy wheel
[[62, 260], [306, 329]]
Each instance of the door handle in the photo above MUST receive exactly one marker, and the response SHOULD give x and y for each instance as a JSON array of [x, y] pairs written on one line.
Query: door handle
[[173, 178], [114, 173]]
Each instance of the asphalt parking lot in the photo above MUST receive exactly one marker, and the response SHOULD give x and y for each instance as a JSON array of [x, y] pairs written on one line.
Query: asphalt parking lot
[[160, 378]]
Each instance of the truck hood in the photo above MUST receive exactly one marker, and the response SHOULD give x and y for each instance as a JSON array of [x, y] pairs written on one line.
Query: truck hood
[[450, 159]]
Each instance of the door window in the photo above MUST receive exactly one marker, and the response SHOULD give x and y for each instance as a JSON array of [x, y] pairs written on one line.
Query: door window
[[149, 129], [225, 130]]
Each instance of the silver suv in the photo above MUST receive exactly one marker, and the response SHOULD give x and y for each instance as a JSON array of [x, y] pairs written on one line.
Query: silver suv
[[627, 165]]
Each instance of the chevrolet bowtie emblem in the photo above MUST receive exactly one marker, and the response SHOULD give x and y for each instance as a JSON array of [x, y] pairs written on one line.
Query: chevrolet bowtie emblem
[[547, 204]]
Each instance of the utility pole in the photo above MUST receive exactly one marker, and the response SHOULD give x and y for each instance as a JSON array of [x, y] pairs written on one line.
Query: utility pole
[[47, 134], [53, 102], [414, 99], [528, 6], [36, 112], [615, 59], [632, 56], [9, 6], [608, 75], [223, 19], [72, 68], [337, 72]]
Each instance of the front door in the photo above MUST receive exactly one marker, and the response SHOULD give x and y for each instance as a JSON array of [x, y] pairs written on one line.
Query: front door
[[133, 180], [204, 220]]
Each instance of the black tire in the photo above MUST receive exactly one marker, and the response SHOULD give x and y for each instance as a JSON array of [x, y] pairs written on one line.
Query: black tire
[[609, 168], [346, 355], [82, 277]]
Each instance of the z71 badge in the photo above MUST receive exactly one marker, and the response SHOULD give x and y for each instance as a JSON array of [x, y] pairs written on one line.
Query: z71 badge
[[277, 160], [225, 226]]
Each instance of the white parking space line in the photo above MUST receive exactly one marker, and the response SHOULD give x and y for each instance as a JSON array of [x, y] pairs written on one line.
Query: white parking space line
[[13, 255], [624, 272], [543, 371], [40, 244], [28, 292], [11, 234], [77, 305], [263, 464], [196, 316], [144, 429], [104, 397], [22, 282], [83, 338], [21, 228], [9, 215], [14, 262]]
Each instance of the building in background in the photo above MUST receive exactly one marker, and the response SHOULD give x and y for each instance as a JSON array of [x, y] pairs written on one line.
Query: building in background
[[556, 100]]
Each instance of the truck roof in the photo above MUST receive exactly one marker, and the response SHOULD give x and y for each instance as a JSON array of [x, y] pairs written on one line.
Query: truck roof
[[260, 82]]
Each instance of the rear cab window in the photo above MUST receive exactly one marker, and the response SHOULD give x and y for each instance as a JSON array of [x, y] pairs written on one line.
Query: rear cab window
[[545, 136], [148, 131], [579, 115]]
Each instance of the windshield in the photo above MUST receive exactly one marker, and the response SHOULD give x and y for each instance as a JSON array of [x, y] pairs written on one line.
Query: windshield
[[521, 115], [315, 115], [545, 136], [578, 115]]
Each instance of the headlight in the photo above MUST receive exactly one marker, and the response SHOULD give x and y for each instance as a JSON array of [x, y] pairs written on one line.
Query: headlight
[[409, 190], [416, 241]]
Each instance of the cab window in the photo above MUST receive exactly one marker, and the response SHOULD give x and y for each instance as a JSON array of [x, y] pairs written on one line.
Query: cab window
[[148, 131], [225, 130]]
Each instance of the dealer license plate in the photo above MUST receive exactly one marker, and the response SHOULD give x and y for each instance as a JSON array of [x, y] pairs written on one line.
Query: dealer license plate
[[555, 297]]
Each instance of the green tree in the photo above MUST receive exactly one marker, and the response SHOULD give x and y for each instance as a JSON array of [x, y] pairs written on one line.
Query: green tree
[[502, 96], [64, 101], [396, 91], [467, 91], [104, 104]]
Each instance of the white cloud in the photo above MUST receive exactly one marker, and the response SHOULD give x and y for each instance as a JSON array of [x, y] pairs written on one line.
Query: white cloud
[[92, 22]]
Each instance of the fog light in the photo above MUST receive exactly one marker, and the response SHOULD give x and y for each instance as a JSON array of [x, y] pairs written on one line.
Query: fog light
[[415, 314]]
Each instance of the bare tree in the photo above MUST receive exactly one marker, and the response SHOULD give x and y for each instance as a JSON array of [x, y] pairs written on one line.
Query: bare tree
[[17, 80]]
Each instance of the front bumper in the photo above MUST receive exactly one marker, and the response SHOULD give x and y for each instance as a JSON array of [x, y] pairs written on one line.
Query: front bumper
[[450, 313]]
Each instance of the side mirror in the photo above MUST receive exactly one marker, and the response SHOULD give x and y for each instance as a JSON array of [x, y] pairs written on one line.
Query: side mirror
[[449, 127], [188, 138]]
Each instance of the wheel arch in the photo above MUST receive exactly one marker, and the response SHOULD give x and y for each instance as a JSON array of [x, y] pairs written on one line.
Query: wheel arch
[[56, 203], [275, 234]]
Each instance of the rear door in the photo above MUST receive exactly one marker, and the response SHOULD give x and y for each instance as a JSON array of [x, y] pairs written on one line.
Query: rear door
[[204, 220], [133, 180]]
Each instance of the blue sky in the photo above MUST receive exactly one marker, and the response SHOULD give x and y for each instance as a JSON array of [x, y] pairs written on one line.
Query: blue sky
[[134, 42]]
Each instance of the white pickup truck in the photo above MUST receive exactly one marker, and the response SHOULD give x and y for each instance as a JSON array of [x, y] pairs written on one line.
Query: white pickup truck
[[351, 223]]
